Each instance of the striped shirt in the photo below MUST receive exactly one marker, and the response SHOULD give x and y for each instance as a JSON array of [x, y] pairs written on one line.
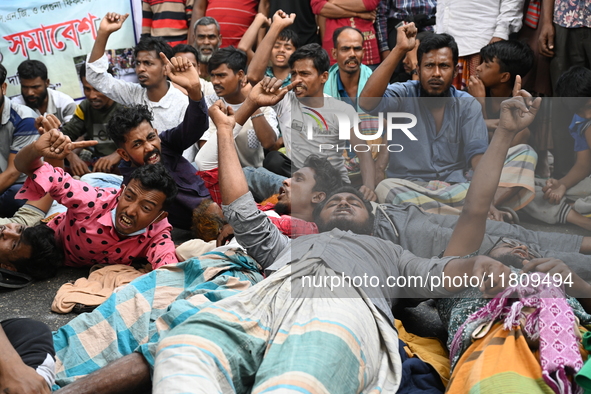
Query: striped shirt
[[169, 19], [234, 17]]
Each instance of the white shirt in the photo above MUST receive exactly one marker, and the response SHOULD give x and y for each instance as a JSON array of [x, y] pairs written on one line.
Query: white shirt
[[474, 22], [249, 149], [293, 120], [169, 112], [59, 104]]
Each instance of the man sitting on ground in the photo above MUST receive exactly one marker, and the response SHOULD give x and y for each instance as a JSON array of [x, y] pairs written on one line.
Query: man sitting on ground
[[17, 129], [101, 225], [450, 134], [90, 121], [227, 69], [35, 92]]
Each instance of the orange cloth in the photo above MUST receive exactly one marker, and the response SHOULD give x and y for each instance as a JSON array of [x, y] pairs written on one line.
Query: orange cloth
[[95, 290]]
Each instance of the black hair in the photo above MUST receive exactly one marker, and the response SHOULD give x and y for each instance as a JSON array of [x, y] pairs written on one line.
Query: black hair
[[289, 35], [437, 41], [82, 71], [575, 82], [514, 57], [124, 119], [184, 48], [314, 52], [31, 69], [233, 58], [3, 73], [337, 33], [46, 255], [360, 229], [326, 176], [156, 44], [156, 177]]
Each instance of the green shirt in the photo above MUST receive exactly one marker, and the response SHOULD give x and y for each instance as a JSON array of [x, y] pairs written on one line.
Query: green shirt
[[92, 124]]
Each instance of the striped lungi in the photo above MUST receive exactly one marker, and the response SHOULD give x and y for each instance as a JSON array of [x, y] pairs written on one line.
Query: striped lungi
[[278, 337], [445, 199]]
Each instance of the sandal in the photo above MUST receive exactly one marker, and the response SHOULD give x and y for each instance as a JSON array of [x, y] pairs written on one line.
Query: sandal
[[514, 216]]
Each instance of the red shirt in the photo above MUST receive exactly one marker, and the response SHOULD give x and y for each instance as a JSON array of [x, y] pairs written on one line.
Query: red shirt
[[234, 17], [86, 229], [288, 225], [370, 41]]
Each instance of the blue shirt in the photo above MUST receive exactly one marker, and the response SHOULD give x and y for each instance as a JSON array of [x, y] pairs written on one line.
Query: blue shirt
[[269, 73], [577, 129], [443, 155]]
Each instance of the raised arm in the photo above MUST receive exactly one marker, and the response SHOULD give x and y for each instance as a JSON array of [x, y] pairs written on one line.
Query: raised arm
[[109, 24], [377, 83], [199, 8], [250, 36], [182, 72], [258, 65], [52, 145], [516, 113], [252, 228], [266, 93]]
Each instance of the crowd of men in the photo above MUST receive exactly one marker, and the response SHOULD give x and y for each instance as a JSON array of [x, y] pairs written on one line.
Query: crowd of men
[[263, 162]]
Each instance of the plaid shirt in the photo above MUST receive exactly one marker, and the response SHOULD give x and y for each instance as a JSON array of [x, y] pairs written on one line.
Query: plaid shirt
[[400, 9]]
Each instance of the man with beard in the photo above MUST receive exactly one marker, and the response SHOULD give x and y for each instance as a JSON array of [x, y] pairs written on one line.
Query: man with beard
[[140, 144], [293, 331], [90, 121], [450, 134], [36, 95], [207, 40], [167, 103], [348, 76], [17, 130]]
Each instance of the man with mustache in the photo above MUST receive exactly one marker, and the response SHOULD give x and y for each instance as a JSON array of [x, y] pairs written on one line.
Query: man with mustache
[[207, 40], [348, 76], [450, 134], [90, 121], [36, 95], [166, 103], [138, 142]]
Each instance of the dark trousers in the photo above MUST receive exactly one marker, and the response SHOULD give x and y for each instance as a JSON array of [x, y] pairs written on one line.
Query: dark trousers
[[31, 339], [278, 163]]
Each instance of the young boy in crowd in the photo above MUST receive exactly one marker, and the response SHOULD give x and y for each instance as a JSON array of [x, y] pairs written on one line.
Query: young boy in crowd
[[280, 43], [502, 61], [554, 198]]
